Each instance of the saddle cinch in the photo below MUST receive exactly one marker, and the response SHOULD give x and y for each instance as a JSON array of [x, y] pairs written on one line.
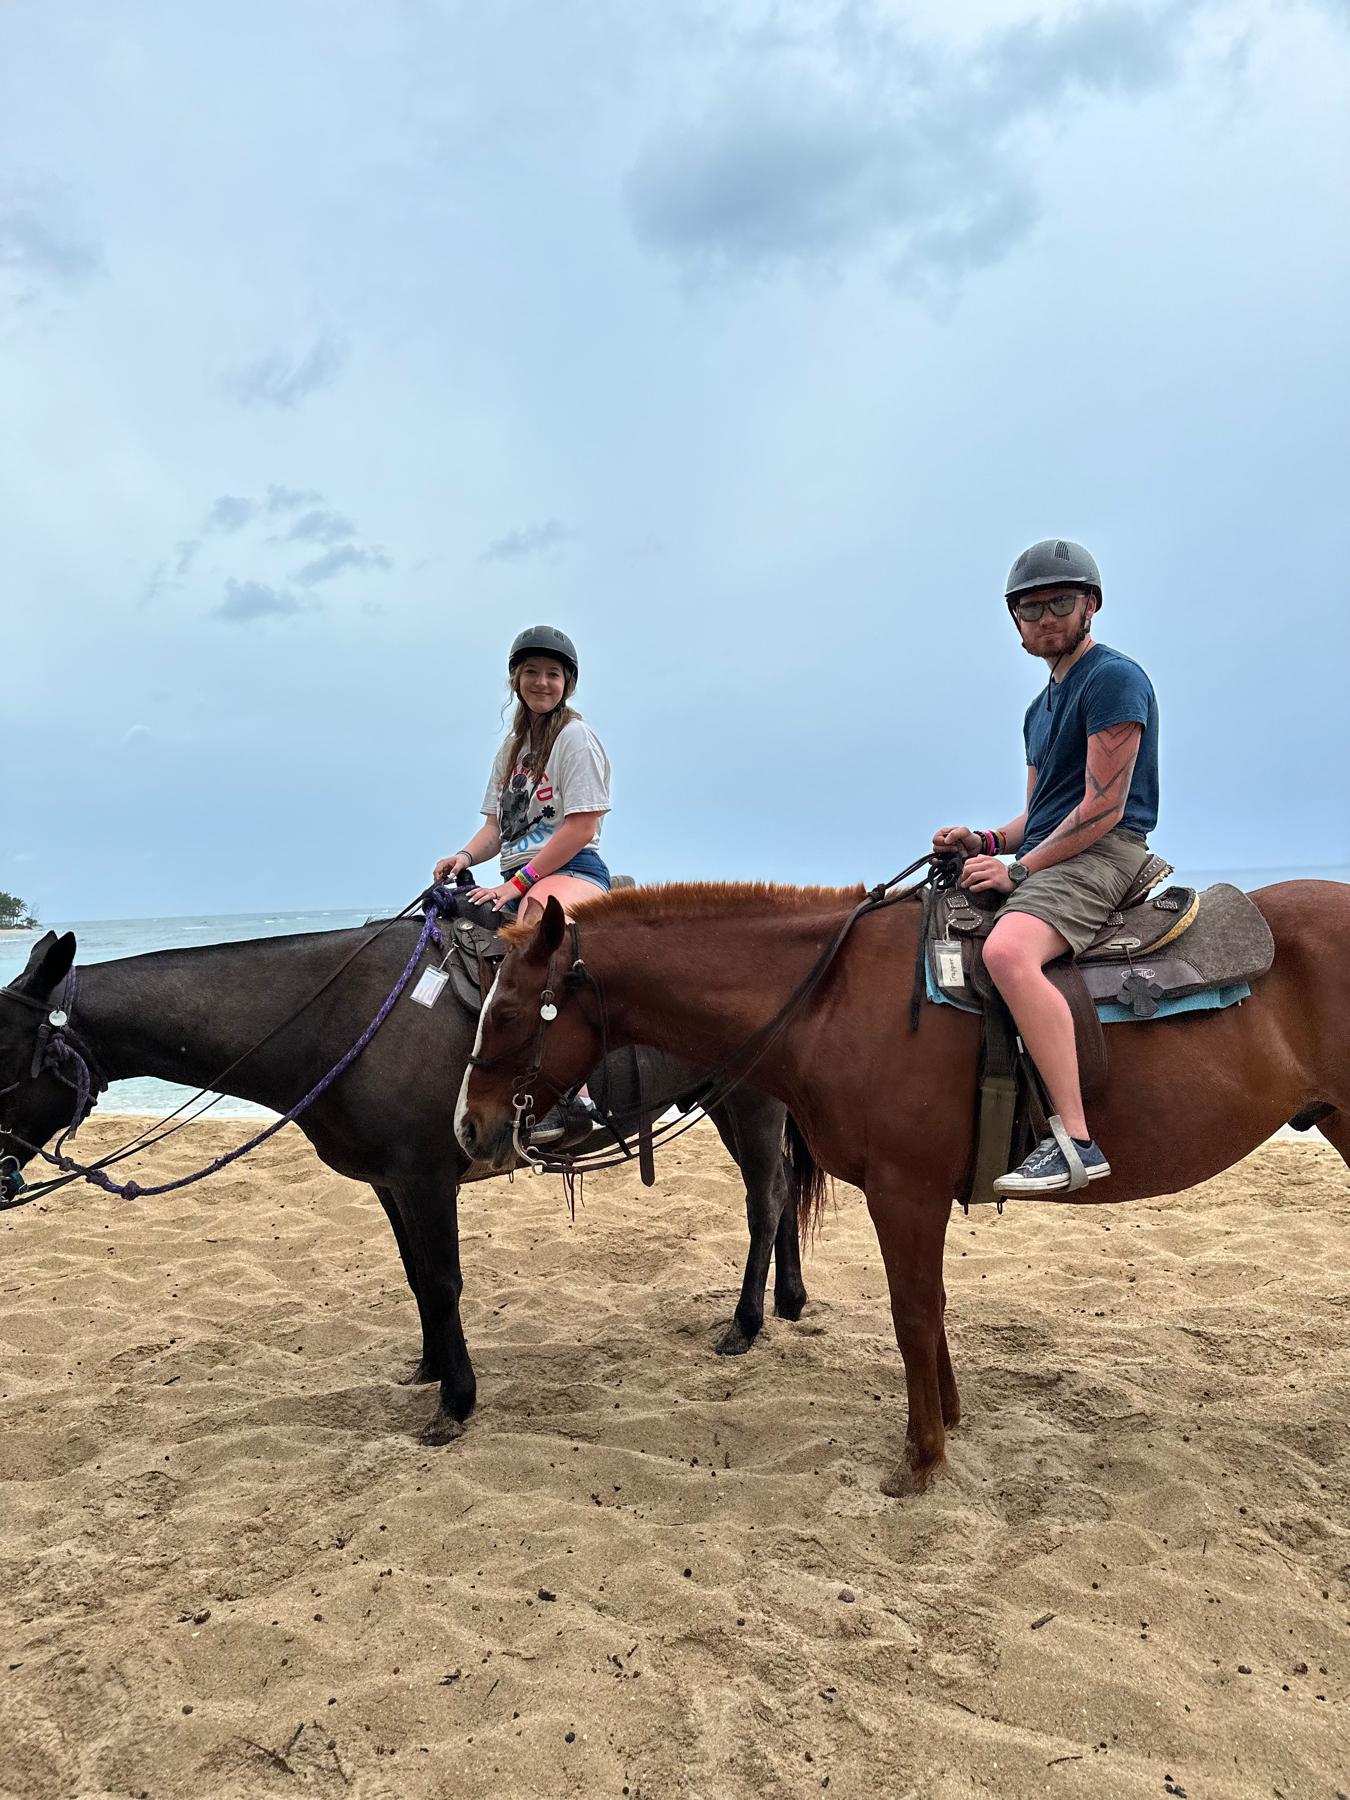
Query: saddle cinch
[[1151, 952]]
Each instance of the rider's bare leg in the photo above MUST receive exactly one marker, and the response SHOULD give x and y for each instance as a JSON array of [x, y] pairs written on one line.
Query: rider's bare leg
[[568, 890], [1015, 953]]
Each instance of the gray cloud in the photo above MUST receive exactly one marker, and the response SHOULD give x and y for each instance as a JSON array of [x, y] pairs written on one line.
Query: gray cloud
[[283, 380], [320, 526], [186, 554], [34, 254], [317, 524], [229, 513], [284, 499], [247, 600], [342, 559], [158, 581], [861, 140], [528, 540]]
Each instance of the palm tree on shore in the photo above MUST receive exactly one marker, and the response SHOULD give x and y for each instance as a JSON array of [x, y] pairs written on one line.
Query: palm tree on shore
[[14, 913]]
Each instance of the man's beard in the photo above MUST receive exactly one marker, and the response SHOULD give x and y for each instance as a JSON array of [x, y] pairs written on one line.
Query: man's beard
[[1072, 638]]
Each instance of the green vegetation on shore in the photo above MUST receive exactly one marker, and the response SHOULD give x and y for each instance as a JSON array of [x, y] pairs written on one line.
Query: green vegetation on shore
[[14, 913]]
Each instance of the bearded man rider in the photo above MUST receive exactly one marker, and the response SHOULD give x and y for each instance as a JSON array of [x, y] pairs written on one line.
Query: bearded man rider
[[1091, 742]]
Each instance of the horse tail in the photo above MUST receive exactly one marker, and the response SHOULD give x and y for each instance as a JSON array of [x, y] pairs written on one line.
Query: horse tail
[[806, 1180]]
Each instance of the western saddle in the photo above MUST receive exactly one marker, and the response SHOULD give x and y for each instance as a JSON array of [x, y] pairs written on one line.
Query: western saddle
[[1179, 944]]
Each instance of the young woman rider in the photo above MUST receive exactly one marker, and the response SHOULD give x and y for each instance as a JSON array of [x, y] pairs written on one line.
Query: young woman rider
[[548, 791], [546, 800]]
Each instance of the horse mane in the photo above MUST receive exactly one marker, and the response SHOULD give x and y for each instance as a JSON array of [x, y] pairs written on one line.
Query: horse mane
[[703, 899], [700, 900]]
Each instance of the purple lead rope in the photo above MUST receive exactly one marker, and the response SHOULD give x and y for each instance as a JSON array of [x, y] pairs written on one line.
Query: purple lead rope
[[435, 906]]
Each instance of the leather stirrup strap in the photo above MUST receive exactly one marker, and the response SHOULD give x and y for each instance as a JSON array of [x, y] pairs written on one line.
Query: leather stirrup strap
[[1078, 1175], [646, 1148], [997, 1117]]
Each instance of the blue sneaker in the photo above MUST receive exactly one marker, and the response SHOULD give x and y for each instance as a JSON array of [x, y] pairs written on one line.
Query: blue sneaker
[[1045, 1171]]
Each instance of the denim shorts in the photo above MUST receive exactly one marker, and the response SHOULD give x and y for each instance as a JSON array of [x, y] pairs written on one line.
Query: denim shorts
[[586, 865]]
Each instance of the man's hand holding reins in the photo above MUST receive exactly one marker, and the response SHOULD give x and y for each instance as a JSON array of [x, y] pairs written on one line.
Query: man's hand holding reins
[[956, 837]]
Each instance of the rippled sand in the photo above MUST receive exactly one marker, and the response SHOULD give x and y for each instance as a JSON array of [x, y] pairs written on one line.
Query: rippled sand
[[228, 1567]]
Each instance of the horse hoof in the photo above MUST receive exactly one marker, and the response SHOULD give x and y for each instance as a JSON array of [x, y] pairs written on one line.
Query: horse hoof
[[418, 1375], [789, 1306], [442, 1430], [733, 1341], [905, 1481]]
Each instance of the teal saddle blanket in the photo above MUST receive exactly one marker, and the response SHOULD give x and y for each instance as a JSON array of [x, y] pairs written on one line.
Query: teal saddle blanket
[[1111, 1012]]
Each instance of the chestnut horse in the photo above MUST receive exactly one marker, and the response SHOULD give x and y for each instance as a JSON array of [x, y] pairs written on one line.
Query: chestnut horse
[[698, 969]]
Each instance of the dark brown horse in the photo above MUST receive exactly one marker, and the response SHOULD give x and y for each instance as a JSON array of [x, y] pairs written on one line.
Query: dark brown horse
[[701, 968], [248, 1009]]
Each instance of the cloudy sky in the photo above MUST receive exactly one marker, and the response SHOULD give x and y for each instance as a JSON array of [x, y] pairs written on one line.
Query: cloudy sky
[[748, 341]]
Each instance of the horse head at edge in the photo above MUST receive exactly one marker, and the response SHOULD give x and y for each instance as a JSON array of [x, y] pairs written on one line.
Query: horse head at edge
[[33, 1102]]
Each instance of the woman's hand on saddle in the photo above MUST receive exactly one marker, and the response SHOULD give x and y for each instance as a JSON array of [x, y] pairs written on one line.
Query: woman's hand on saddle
[[986, 874], [956, 837], [497, 897], [449, 866]]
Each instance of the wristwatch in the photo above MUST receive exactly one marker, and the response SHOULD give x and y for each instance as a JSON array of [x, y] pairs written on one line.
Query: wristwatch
[[1017, 873]]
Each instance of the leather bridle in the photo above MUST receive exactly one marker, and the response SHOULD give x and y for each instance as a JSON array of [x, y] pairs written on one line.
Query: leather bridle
[[58, 1049], [722, 1079]]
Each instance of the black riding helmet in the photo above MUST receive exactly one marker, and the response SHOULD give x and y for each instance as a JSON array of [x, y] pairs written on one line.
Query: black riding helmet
[[1054, 562], [544, 640]]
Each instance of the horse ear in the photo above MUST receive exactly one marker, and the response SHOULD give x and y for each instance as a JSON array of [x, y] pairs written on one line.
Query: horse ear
[[549, 934], [49, 963], [36, 954]]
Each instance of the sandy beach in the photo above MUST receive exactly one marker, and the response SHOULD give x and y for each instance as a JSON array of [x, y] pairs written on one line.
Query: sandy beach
[[229, 1567]]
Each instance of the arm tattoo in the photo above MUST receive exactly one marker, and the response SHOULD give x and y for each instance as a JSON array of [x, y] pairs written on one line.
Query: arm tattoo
[[1111, 758], [1102, 788]]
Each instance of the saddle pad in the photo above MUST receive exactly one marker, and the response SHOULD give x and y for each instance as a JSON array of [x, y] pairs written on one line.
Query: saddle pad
[[1228, 942], [1111, 1012]]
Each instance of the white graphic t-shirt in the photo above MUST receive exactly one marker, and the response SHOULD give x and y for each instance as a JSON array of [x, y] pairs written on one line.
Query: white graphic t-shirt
[[575, 781]]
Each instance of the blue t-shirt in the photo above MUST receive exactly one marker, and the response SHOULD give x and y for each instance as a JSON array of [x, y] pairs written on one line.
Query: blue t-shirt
[[1102, 689]]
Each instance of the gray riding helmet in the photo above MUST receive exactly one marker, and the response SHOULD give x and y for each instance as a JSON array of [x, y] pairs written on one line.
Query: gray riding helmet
[[1054, 562], [544, 640]]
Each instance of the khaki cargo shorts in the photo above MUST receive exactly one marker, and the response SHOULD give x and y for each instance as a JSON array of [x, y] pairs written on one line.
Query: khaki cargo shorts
[[1077, 896]]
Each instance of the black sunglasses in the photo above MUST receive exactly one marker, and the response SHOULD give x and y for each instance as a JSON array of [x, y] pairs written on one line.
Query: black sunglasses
[[1031, 610]]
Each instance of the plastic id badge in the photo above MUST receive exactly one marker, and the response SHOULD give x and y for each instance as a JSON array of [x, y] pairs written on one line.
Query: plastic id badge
[[430, 986], [950, 970]]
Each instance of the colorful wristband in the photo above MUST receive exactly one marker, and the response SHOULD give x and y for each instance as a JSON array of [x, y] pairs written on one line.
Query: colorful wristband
[[519, 883]]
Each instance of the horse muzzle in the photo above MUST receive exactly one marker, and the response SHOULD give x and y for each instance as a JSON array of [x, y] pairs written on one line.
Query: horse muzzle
[[490, 1144]]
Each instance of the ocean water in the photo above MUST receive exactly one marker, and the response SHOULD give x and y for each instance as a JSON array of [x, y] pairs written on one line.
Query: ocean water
[[101, 940]]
